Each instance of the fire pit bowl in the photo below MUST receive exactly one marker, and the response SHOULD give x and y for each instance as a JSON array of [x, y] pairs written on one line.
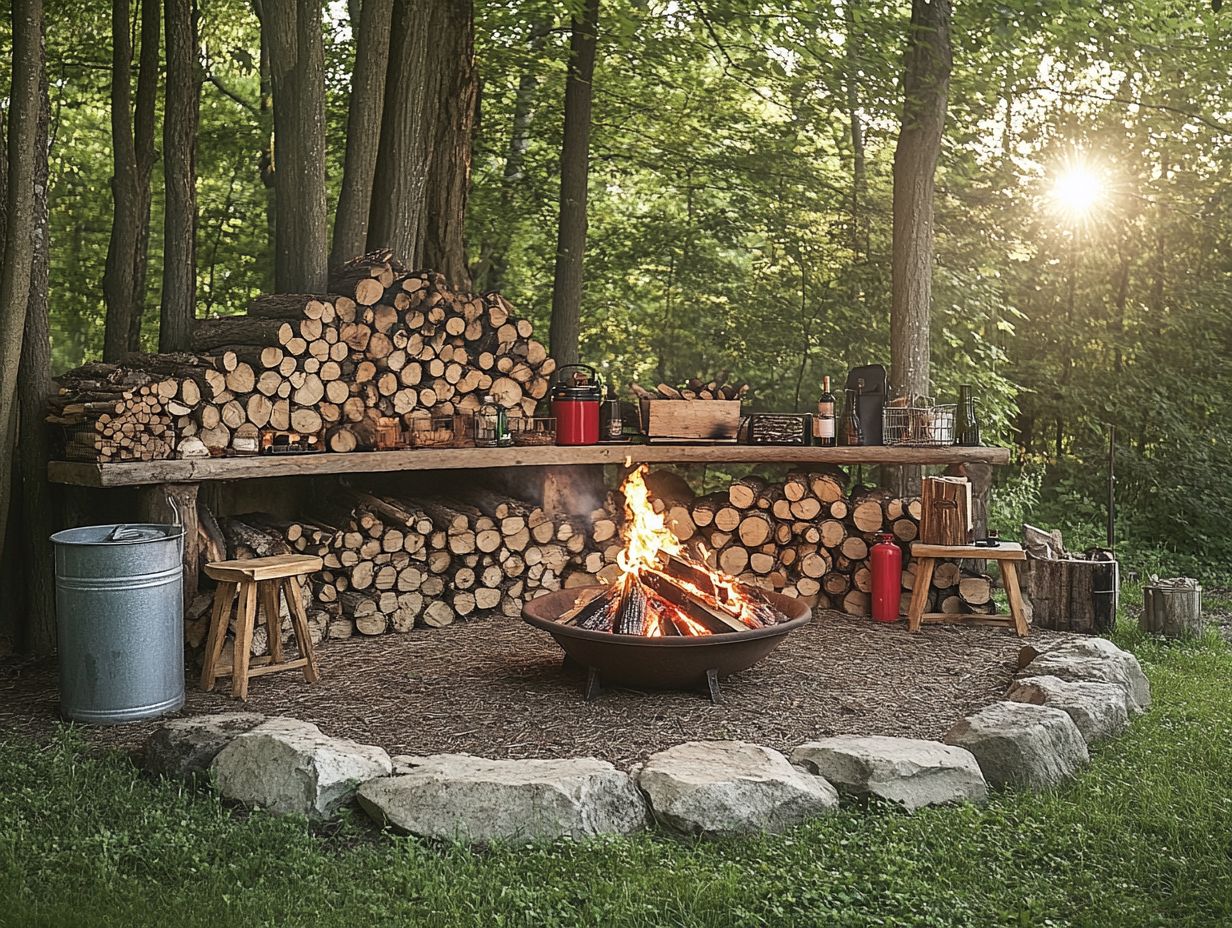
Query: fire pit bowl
[[676, 662]]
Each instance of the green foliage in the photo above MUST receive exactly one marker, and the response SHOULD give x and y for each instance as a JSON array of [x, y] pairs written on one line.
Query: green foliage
[[1139, 838], [730, 229]]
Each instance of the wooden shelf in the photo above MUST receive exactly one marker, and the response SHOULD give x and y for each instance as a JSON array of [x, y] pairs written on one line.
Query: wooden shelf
[[144, 473]]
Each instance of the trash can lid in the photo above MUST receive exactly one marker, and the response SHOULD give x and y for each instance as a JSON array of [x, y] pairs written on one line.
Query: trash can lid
[[125, 533]]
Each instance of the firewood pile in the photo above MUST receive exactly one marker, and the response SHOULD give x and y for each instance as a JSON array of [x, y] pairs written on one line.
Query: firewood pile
[[113, 412], [805, 536], [392, 563], [386, 346]]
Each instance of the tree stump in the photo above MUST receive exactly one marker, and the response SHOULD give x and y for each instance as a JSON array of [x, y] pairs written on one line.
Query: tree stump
[[1172, 608], [1072, 595]]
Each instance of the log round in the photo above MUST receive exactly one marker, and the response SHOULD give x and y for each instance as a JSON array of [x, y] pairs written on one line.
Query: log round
[[675, 662]]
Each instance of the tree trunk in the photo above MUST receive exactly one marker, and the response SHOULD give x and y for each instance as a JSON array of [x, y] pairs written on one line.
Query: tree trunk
[[496, 261], [16, 269], [398, 211], [132, 157], [574, 178], [450, 142], [183, 97], [859, 243], [37, 501], [926, 81], [297, 68], [372, 33]]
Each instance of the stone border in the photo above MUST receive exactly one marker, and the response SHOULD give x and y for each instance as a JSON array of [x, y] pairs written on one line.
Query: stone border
[[1076, 693]]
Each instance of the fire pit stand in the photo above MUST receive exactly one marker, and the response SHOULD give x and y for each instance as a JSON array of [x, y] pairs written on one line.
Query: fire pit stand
[[678, 662]]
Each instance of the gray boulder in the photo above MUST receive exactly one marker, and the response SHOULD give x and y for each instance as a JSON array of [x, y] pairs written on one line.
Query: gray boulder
[[290, 767], [474, 799], [1100, 710], [185, 748], [906, 771], [719, 788], [1094, 660], [1020, 745]]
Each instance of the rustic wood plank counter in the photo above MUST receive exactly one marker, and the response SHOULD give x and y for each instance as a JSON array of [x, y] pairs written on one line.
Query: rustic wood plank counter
[[146, 473]]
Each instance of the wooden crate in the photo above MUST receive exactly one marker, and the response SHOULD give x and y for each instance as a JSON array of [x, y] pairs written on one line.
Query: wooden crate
[[690, 420]]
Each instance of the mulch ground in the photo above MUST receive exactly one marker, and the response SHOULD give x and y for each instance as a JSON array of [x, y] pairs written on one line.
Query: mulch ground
[[495, 687]]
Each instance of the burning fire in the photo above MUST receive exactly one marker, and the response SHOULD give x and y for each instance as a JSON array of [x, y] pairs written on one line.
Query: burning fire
[[646, 532], [662, 590]]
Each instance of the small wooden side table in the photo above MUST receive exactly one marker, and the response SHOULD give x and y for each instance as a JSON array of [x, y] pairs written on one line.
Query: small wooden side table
[[253, 581], [1008, 553]]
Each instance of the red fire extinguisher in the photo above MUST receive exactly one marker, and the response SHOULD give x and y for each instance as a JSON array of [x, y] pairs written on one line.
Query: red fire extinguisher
[[887, 566]]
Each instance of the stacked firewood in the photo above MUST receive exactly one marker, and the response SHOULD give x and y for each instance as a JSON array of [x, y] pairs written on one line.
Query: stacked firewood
[[242, 537], [395, 348], [113, 412], [393, 563], [805, 536], [695, 388]]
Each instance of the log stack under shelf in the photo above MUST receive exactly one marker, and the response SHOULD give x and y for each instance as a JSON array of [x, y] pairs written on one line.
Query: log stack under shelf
[[804, 536]]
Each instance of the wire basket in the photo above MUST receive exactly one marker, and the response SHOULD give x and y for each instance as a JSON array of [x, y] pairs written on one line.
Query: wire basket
[[533, 430], [917, 423], [440, 432]]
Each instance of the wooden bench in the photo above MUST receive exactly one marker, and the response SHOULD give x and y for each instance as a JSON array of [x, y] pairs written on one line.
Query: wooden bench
[[1008, 553], [257, 582]]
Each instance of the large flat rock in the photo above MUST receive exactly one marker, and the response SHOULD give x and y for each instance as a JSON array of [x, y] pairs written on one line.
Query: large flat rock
[[1021, 745], [290, 767], [1094, 660], [185, 748], [474, 799], [1100, 710], [719, 788], [906, 771]]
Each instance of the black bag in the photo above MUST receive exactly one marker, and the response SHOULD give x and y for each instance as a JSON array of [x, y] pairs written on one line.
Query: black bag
[[870, 381]]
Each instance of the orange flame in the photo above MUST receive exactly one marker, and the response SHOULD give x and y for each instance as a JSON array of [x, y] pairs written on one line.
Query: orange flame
[[646, 536], [646, 532]]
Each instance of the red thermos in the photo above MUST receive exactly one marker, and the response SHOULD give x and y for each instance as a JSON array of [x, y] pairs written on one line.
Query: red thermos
[[887, 566], [575, 404]]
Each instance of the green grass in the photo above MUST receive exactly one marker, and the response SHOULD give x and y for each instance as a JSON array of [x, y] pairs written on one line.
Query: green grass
[[1142, 837]]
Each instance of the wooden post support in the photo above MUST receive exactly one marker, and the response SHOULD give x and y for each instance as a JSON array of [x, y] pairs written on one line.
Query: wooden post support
[[572, 490], [155, 504]]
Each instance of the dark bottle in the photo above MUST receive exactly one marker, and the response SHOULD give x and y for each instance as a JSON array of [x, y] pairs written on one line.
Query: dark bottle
[[611, 424], [853, 429], [824, 430], [967, 425]]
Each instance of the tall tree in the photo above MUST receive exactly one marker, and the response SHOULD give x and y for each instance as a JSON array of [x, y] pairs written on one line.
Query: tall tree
[[20, 221], [452, 125], [372, 32], [851, 81], [297, 67], [398, 212], [182, 111], [132, 143], [565, 329], [494, 259], [420, 189], [37, 502], [926, 82]]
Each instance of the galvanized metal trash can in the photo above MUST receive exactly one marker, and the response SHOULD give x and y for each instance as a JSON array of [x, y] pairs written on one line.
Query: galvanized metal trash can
[[120, 614]]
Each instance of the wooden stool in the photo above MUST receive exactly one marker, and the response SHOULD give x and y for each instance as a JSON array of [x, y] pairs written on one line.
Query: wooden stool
[[1007, 553], [258, 579]]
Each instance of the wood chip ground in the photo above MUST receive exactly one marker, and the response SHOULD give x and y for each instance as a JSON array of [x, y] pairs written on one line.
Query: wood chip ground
[[495, 687]]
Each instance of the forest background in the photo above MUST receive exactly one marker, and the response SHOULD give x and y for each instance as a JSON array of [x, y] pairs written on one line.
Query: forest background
[[739, 214]]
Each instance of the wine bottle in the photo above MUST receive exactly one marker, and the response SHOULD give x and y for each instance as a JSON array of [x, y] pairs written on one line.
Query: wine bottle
[[853, 430], [824, 422], [967, 428]]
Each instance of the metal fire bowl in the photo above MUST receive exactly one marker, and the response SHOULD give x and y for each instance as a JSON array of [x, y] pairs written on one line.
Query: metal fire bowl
[[670, 662]]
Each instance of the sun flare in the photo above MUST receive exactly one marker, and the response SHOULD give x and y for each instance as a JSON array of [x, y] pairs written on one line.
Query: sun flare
[[1078, 189]]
